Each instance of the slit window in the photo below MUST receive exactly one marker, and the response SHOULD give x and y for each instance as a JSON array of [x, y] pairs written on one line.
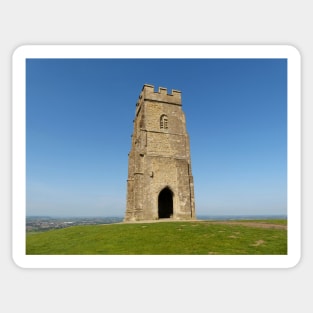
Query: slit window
[[163, 122]]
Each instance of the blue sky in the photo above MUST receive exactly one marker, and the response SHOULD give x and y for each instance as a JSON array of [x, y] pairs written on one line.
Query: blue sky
[[79, 115]]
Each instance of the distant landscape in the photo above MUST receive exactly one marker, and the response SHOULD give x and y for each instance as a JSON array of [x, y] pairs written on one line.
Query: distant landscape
[[44, 223]]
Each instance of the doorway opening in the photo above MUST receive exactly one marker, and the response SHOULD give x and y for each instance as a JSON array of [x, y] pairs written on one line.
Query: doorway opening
[[165, 203]]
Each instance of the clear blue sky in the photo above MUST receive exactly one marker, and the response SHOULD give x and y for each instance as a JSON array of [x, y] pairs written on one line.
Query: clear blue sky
[[79, 117]]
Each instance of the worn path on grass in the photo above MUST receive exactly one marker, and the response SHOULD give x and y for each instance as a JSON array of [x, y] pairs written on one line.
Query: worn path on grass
[[239, 223], [249, 224]]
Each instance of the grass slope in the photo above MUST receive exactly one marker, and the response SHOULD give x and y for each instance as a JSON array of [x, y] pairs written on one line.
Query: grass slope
[[167, 238]]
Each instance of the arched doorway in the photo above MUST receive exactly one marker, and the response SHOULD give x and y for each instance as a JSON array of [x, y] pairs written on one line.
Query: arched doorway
[[165, 203]]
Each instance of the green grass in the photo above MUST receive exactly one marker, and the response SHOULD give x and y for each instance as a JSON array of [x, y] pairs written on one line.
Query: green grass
[[167, 238]]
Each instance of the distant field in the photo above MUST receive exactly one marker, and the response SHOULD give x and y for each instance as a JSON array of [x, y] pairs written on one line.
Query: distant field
[[244, 237]]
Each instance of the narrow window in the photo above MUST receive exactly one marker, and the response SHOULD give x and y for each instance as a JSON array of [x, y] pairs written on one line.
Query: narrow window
[[163, 122]]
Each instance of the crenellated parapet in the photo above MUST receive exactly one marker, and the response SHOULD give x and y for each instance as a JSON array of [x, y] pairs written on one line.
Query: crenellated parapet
[[148, 93]]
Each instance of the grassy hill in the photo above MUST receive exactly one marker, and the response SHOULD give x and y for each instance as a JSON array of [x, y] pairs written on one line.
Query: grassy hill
[[180, 238]]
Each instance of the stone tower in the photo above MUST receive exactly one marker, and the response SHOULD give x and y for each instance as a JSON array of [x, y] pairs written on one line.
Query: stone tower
[[160, 182]]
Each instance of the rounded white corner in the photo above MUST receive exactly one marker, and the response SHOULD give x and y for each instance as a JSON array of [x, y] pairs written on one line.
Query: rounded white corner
[[294, 261], [294, 51], [17, 261], [20, 51]]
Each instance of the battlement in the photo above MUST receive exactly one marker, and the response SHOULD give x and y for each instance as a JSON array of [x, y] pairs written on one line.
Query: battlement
[[148, 93]]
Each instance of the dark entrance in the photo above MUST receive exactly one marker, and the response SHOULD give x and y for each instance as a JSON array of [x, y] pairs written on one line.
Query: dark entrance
[[165, 203]]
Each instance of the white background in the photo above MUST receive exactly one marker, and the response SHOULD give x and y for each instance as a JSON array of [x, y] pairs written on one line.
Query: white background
[[159, 22]]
